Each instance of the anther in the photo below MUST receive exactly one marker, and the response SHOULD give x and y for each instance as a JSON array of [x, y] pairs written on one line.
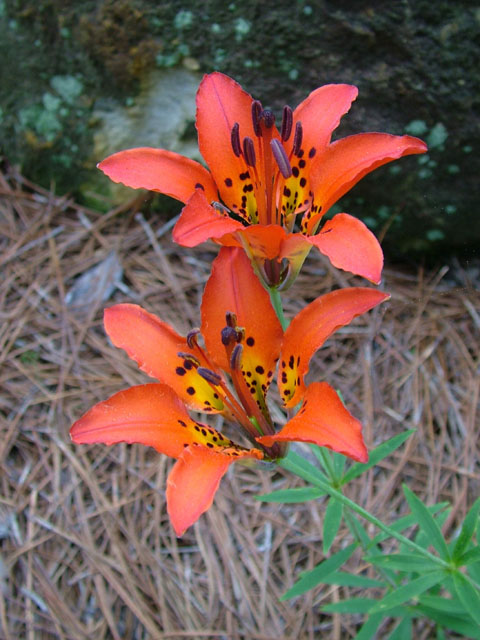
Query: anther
[[256, 115], [220, 208], [209, 375], [268, 118], [228, 335], [188, 356], [192, 338], [236, 357], [287, 123], [297, 139], [235, 140], [281, 158], [231, 319], [249, 151]]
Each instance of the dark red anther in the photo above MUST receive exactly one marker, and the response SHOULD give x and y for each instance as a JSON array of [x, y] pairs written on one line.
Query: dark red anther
[[192, 338], [228, 336], [235, 140], [231, 319], [209, 375], [287, 123], [256, 115], [249, 151], [236, 357], [268, 118], [297, 138], [281, 157]]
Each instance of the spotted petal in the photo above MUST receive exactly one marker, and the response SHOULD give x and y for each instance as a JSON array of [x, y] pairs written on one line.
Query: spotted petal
[[159, 170], [155, 346], [351, 246], [149, 414], [233, 287], [348, 160], [199, 222], [311, 327], [194, 480], [323, 420]]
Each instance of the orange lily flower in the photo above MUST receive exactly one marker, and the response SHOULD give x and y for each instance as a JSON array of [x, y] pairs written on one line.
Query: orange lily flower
[[271, 181], [229, 374]]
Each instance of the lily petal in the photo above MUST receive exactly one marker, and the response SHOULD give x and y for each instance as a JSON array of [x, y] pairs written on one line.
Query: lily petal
[[311, 327], [351, 246], [323, 420], [159, 170], [346, 161], [155, 346], [233, 286], [194, 480], [149, 414], [199, 222]]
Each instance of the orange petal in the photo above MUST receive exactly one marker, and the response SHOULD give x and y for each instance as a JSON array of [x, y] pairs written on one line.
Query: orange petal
[[233, 286], [154, 346], [351, 246], [159, 170], [199, 221], [323, 420], [221, 102], [194, 480], [346, 161], [150, 414], [311, 327]]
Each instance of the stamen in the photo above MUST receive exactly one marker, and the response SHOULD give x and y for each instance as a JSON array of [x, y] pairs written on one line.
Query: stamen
[[188, 356], [297, 139], [236, 357], [281, 158], [192, 338], [268, 118], [249, 151], [287, 123], [231, 319], [209, 375], [228, 335], [220, 208], [235, 140], [256, 115]]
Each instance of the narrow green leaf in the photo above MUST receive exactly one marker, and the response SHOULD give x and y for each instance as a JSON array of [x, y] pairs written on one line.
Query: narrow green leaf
[[408, 591], [467, 593], [461, 625], [407, 521], [473, 571], [331, 523], [427, 523], [310, 579], [303, 469], [288, 496], [446, 605], [382, 451], [402, 562], [344, 579], [338, 463], [469, 557], [403, 630], [352, 605], [367, 632], [467, 530]]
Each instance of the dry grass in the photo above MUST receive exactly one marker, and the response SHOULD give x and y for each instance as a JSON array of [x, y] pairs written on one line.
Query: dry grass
[[86, 548]]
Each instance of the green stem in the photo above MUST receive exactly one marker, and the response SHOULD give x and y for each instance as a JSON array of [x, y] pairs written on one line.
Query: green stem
[[338, 495], [276, 300]]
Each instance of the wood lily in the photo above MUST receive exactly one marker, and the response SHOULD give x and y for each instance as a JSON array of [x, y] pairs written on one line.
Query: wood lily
[[229, 372], [263, 183]]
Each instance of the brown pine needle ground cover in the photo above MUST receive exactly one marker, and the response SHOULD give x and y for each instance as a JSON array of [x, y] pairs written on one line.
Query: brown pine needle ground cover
[[86, 547]]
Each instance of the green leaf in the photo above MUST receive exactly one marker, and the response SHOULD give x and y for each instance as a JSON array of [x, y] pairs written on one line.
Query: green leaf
[[351, 605], [402, 562], [344, 579], [367, 632], [467, 530], [403, 630], [382, 451], [303, 469], [310, 579], [288, 496], [459, 624], [427, 523], [467, 593], [408, 591], [469, 557], [407, 521], [338, 463], [446, 605], [331, 523]]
